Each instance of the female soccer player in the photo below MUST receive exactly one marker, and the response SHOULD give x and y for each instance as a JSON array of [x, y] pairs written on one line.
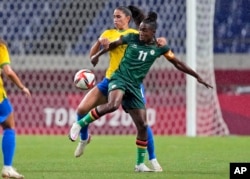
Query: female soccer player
[[124, 85], [7, 116], [98, 94]]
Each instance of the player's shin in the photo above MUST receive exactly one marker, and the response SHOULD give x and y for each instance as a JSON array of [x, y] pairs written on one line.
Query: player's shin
[[89, 118], [141, 151]]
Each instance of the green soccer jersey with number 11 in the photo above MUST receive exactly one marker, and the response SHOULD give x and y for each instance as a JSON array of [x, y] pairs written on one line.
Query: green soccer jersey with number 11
[[138, 59]]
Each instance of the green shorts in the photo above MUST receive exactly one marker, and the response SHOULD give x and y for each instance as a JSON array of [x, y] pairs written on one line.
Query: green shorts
[[132, 93]]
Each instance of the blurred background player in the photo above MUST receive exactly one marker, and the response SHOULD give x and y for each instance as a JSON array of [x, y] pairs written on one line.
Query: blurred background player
[[98, 95], [124, 85], [7, 116]]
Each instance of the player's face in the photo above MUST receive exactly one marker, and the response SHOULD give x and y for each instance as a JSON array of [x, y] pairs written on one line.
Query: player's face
[[120, 20], [146, 33]]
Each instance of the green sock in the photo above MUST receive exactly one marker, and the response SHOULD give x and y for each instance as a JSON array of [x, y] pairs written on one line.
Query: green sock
[[141, 152], [86, 120]]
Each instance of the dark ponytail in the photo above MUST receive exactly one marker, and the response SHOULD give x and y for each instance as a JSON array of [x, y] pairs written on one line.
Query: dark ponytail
[[152, 16], [137, 15]]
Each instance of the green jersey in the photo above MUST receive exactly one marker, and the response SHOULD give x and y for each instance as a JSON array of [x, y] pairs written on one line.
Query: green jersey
[[137, 59]]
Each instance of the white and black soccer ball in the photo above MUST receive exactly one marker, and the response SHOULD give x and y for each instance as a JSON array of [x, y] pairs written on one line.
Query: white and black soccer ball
[[84, 79]]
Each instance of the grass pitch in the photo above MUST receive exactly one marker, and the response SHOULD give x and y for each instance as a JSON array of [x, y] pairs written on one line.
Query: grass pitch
[[113, 157]]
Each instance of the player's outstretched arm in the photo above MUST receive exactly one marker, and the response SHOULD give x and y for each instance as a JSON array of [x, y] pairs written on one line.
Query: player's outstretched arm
[[7, 70], [104, 42], [112, 45], [184, 68]]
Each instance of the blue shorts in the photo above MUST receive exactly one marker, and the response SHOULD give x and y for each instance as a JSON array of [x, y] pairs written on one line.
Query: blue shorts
[[5, 109], [103, 86]]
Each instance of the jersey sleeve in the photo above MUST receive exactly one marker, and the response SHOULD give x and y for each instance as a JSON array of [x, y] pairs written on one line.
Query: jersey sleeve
[[127, 38], [165, 49], [104, 34], [4, 55]]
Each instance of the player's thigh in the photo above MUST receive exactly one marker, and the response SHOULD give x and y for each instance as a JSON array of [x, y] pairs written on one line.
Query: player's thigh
[[9, 122], [133, 99], [92, 99], [115, 97]]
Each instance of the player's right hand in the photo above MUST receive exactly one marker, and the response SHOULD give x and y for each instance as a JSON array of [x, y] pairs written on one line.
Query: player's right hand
[[26, 91], [94, 60], [104, 42]]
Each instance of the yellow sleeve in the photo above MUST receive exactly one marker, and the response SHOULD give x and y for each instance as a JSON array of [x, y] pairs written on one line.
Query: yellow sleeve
[[4, 55]]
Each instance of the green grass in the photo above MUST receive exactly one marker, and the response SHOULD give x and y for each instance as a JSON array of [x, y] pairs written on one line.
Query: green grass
[[113, 157]]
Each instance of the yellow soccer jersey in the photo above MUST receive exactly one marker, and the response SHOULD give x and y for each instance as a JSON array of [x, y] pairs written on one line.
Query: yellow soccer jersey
[[117, 53], [4, 59]]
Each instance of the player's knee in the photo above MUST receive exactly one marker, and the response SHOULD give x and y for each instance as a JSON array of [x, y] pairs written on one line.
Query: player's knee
[[142, 132], [81, 111]]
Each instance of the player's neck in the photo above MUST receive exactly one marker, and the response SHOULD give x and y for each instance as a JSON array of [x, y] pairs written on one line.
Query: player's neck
[[122, 30], [150, 42]]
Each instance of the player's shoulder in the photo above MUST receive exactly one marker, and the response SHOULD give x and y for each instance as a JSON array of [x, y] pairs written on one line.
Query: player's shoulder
[[131, 36], [131, 30], [163, 49], [108, 32]]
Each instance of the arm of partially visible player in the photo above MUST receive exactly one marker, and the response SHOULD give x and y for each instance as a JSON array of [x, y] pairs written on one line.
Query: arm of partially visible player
[[7, 70], [169, 55], [112, 45]]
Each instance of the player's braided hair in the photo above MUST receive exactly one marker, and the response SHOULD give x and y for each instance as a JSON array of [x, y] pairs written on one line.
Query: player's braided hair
[[137, 15], [151, 20]]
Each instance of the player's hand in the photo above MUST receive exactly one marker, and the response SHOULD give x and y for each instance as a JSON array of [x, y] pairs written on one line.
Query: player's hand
[[26, 91], [161, 41], [204, 83], [94, 60], [104, 42]]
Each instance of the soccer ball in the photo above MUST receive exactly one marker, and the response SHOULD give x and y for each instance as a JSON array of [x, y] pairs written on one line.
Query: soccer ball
[[84, 79]]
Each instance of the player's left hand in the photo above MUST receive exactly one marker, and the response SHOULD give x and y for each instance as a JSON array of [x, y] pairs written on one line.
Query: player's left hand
[[204, 83], [26, 91], [161, 41]]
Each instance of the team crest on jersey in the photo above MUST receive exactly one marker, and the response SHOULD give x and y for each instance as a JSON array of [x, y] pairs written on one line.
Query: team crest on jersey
[[134, 45], [152, 52]]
